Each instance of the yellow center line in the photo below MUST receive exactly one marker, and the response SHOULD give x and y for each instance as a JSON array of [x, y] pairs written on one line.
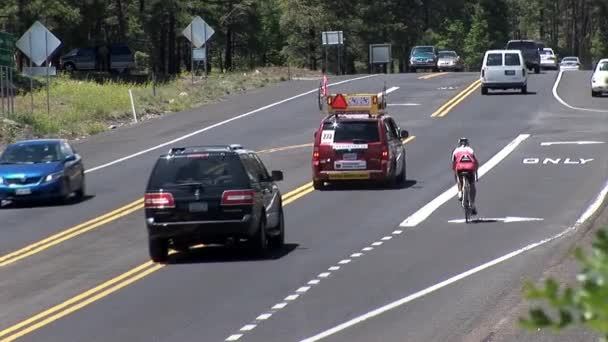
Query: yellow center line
[[101, 220], [426, 77], [454, 104], [457, 98]]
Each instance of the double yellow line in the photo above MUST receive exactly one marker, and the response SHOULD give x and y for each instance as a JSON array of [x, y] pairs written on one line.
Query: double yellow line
[[75, 303], [453, 102], [426, 77]]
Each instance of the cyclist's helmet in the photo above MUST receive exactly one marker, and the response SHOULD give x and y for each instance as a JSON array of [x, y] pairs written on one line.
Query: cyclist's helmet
[[463, 141]]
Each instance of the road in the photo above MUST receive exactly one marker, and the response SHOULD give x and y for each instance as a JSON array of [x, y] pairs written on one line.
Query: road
[[349, 251]]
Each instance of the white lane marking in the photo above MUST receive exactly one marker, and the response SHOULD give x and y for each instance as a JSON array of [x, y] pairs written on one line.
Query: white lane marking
[[235, 337], [367, 249], [507, 219], [248, 327], [279, 306], [334, 268], [324, 275], [386, 238], [303, 289], [344, 262], [549, 143], [595, 205], [292, 297], [398, 232], [558, 98], [221, 123], [377, 243], [263, 317], [426, 211], [403, 104], [356, 255], [388, 91], [314, 282]]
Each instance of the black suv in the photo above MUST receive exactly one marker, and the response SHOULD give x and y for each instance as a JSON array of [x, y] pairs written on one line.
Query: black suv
[[530, 50], [212, 195]]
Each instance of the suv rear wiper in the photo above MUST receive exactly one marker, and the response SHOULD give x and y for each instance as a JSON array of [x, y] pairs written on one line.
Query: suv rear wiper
[[180, 185]]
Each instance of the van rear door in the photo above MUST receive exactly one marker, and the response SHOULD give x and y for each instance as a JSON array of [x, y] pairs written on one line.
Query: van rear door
[[493, 70], [514, 68]]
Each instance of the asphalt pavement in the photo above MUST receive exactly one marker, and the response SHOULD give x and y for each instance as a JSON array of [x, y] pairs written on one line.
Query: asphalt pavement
[[348, 250]]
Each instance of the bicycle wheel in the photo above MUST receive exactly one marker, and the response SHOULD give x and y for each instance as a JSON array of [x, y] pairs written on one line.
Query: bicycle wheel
[[320, 96], [465, 199]]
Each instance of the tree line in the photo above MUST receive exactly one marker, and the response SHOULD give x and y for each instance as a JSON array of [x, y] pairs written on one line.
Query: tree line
[[251, 33]]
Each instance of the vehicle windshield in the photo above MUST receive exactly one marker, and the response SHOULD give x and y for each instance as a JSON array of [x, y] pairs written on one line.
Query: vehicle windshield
[[547, 52], [603, 66], [31, 154], [348, 131], [425, 50], [203, 169], [569, 59], [447, 54]]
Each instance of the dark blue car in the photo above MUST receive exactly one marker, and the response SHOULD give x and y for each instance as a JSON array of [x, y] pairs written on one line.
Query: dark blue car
[[40, 170]]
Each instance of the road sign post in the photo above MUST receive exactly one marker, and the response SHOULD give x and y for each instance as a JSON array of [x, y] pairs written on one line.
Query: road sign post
[[198, 33], [380, 54], [31, 44], [333, 38]]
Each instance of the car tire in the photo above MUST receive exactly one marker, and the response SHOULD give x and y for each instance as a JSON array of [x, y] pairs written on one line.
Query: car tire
[[158, 249], [66, 191], [484, 91], [403, 176], [594, 93], [278, 241], [259, 241], [81, 192], [69, 67], [524, 89]]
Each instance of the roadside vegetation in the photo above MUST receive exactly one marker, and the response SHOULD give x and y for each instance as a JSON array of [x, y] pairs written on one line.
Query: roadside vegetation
[[84, 107], [585, 303]]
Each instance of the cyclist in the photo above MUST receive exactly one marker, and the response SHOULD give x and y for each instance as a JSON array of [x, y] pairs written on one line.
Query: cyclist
[[463, 159]]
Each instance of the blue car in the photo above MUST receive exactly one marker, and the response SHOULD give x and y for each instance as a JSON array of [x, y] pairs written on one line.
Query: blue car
[[42, 169]]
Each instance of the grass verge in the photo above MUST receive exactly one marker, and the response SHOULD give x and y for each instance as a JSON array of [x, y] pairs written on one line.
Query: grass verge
[[79, 108]]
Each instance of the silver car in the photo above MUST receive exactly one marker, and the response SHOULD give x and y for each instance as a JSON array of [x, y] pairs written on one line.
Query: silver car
[[570, 63], [449, 60]]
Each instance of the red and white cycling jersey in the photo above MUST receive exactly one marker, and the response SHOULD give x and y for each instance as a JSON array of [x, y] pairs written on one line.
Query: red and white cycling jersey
[[463, 159]]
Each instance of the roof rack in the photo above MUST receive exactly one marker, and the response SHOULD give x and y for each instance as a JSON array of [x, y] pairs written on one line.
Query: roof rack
[[357, 104]]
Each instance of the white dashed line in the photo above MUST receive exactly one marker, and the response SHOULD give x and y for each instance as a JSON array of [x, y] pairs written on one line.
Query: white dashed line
[[314, 282], [292, 297], [279, 306], [356, 255], [324, 275], [264, 317], [303, 289], [377, 243], [386, 238], [367, 249], [234, 337], [248, 327], [398, 232], [344, 262], [334, 268]]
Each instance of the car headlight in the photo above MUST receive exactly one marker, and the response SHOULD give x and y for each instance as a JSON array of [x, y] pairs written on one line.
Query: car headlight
[[1, 180], [53, 176]]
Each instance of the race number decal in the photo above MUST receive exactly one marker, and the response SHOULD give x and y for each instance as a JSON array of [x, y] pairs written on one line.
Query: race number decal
[[327, 137]]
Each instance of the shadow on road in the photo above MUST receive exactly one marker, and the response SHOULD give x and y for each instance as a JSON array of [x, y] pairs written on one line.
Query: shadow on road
[[45, 203], [357, 186], [213, 254]]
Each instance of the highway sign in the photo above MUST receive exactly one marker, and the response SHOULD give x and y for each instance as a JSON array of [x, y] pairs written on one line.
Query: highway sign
[[7, 49], [379, 53], [332, 38], [198, 32], [38, 43]]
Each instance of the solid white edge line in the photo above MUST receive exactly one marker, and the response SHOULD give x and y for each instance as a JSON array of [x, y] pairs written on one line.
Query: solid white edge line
[[583, 218], [558, 98], [426, 211], [221, 123]]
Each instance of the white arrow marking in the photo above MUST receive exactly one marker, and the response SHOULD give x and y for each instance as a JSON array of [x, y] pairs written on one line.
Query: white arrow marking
[[507, 219], [404, 104], [549, 143]]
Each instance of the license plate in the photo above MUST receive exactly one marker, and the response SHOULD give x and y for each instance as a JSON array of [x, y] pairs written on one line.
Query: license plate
[[21, 192], [510, 72], [349, 175], [197, 207], [349, 156]]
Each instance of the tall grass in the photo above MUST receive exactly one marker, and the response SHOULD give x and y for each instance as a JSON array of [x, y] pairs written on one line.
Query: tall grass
[[79, 108]]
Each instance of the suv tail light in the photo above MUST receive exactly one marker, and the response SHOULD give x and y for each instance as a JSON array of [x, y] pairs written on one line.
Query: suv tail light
[[238, 197], [384, 153], [159, 201], [316, 156]]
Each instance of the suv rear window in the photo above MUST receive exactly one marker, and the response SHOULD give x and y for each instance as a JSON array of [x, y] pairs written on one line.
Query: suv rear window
[[494, 59], [512, 59], [351, 130], [205, 169]]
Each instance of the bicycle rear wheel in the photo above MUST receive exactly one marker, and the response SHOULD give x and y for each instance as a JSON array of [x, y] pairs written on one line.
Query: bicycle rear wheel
[[465, 199]]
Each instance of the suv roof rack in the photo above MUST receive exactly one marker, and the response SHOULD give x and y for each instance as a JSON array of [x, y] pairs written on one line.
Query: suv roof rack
[[209, 148]]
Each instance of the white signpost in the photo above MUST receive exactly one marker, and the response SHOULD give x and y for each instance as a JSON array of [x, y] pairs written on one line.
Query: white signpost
[[332, 38], [380, 54], [38, 43], [198, 33]]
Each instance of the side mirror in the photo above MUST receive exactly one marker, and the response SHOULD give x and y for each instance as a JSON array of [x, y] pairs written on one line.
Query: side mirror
[[277, 176], [70, 158], [315, 135], [404, 134]]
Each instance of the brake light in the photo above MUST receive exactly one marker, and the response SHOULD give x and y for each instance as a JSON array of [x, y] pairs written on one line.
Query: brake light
[[384, 153], [238, 197], [162, 200], [316, 156]]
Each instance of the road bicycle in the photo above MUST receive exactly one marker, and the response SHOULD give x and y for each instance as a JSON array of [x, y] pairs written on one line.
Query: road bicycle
[[466, 195]]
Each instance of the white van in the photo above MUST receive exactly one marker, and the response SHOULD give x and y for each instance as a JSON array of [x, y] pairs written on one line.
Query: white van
[[503, 69]]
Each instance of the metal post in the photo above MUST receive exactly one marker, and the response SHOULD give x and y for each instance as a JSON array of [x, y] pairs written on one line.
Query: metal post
[[205, 49], [338, 63], [192, 50], [46, 58], [31, 79], [2, 89], [12, 90]]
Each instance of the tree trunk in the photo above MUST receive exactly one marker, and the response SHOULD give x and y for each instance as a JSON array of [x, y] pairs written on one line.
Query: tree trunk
[[171, 40], [228, 57], [122, 26]]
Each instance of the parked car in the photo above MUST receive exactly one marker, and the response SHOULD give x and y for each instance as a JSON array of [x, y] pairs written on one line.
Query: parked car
[[449, 60], [570, 63], [530, 50], [599, 79], [548, 60], [423, 57], [503, 69], [119, 58]]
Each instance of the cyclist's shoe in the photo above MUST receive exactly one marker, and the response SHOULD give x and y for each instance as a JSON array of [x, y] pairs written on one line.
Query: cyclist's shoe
[[474, 210], [460, 195]]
